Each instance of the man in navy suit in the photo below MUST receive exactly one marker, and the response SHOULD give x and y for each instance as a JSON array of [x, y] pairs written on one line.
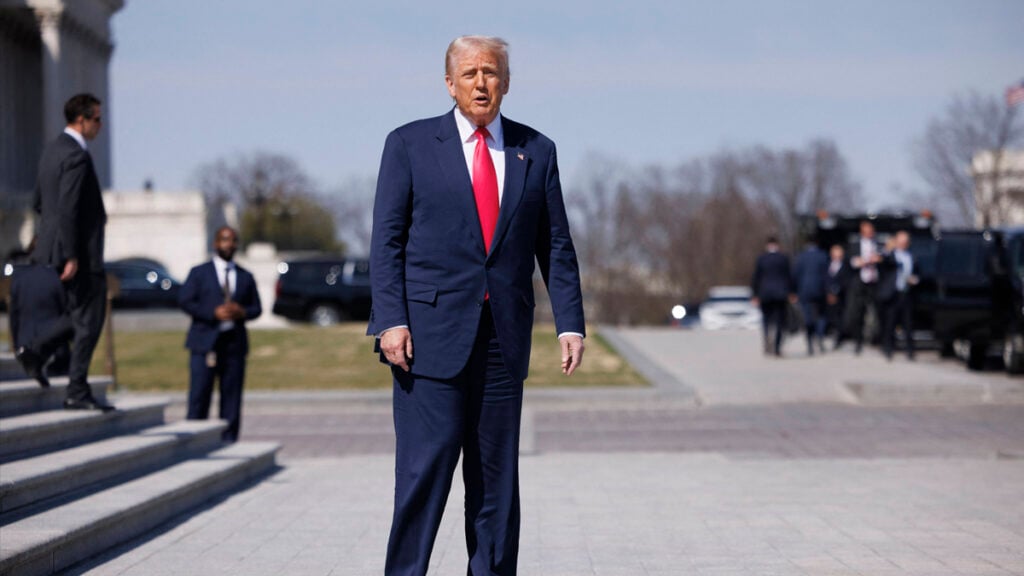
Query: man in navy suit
[[771, 285], [466, 203], [810, 273], [221, 297]]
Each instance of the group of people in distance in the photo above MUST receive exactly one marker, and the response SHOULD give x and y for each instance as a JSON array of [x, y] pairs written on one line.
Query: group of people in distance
[[836, 291], [59, 288]]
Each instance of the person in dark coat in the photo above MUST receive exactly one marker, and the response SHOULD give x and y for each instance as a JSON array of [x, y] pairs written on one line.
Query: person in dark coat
[[221, 297], [895, 294], [837, 285], [38, 315], [810, 274], [772, 285], [70, 240], [866, 257]]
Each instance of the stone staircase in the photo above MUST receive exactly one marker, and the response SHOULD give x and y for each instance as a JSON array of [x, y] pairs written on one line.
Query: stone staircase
[[76, 483]]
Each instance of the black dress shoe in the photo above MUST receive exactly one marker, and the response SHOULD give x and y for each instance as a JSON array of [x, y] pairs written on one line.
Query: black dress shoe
[[87, 404], [33, 365]]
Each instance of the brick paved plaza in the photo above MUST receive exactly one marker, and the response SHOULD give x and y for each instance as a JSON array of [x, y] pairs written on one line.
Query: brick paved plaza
[[730, 464]]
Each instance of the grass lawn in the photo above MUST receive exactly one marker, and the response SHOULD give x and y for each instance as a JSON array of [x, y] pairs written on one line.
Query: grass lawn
[[307, 358]]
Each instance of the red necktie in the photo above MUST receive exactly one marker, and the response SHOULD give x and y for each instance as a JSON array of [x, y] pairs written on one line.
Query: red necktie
[[485, 187]]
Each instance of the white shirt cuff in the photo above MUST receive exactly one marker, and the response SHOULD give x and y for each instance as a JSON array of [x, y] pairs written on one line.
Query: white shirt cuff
[[381, 333], [570, 334]]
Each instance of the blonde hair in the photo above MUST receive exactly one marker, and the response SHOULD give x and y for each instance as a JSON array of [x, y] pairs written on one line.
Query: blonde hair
[[493, 44]]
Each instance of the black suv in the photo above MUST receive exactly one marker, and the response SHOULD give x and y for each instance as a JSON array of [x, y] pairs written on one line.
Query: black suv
[[323, 291], [980, 282]]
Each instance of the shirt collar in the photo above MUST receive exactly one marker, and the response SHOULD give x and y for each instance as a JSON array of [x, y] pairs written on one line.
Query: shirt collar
[[78, 137], [467, 129], [221, 263]]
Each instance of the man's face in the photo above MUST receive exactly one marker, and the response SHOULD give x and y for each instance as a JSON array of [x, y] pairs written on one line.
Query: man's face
[[867, 230], [902, 241], [91, 126], [837, 252], [477, 82], [226, 243]]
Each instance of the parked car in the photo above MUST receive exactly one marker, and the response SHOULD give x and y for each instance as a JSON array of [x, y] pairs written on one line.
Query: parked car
[[144, 283], [729, 307], [980, 303], [323, 291]]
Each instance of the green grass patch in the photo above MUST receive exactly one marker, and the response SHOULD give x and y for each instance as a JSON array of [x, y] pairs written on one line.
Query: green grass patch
[[337, 358]]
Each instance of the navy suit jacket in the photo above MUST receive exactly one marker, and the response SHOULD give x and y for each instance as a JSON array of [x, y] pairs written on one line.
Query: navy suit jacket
[[200, 296], [429, 269], [772, 280], [810, 274]]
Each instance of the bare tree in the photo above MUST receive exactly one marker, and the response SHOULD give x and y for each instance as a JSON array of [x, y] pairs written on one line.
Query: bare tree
[[352, 205], [651, 238], [972, 123], [277, 201], [795, 182]]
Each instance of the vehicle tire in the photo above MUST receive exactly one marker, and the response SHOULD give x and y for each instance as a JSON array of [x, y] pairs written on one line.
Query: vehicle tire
[[1013, 353], [324, 315], [976, 355]]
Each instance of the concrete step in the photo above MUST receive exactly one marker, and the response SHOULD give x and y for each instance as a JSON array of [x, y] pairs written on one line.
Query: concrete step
[[32, 480], [30, 434], [24, 396], [60, 537]]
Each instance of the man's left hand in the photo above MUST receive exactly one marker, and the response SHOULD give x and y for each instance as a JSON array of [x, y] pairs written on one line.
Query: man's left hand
[[572, 353]]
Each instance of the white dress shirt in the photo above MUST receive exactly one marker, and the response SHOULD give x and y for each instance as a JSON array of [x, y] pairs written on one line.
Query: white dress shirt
[[495, 145], [905, 269], [78, 137], [868, 272], [225, 268]]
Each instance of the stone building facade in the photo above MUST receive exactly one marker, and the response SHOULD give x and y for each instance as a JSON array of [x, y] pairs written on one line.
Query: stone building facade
[[49, 51], [998, 188]]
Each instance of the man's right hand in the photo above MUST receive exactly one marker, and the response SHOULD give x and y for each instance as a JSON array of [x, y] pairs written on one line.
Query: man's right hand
[[223, 312], [70, 269], [396, 344]]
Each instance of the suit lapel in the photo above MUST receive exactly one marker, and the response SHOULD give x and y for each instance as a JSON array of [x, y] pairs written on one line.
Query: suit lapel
[[452, 161], [516, 162]]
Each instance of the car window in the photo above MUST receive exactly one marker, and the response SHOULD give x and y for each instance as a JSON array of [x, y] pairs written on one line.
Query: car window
[[962, 256], [720, 300]]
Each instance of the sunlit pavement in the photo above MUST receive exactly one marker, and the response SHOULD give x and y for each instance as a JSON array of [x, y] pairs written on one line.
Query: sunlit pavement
[[732, 463]]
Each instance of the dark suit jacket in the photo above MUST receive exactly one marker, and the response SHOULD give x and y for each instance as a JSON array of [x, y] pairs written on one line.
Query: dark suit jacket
[[772, 280], [839, 282], [428, 266], [69, 199], [810, 274], [200, 296]]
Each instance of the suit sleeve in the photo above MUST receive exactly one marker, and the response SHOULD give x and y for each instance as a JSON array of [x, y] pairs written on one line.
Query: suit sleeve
[[556, 257], [253, 308], [189, 299], [392, 213], [72, 178]]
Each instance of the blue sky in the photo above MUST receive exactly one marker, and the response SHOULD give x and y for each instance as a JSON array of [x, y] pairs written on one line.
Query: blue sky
[[645, 81]]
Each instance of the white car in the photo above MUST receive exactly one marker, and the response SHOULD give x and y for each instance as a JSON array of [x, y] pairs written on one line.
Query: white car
[[729, 307]]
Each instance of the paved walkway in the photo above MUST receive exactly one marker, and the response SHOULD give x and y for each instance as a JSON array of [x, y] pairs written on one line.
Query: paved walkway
[[732, 464]]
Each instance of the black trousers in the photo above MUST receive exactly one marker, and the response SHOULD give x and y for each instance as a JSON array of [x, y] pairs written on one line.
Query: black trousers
[[478, 414], [773, 319], [229, 371], [87, 306], [899, 310], [862, 300]]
